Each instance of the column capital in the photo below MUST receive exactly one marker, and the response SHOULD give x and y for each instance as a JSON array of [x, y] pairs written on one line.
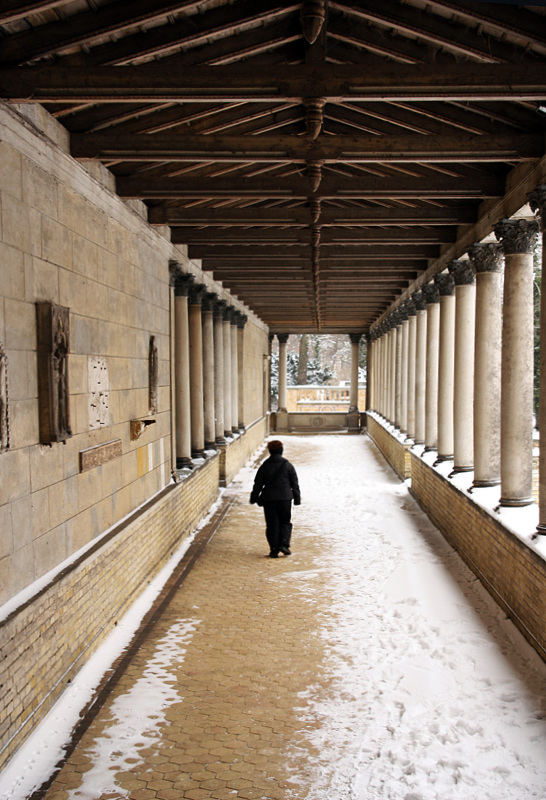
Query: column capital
[[403, 312], [445, 283], [486, 257], [283, 337], [432, 295], [410, 307], [419, 301], [182, 284], [209, 299], [270, 337], [242, 319], [228, 313], [462, 271], [537, 201], [517, 235], [355, 338], [219, 308], [197, 293]]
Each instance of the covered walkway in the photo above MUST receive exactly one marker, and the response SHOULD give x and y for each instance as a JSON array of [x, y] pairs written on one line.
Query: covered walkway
[[369, 664]]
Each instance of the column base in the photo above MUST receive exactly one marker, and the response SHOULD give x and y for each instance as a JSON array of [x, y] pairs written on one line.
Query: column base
[[220, 440], [510, 502], [353, 409], [198, 453], [228, 435], [458, 470], [541, 530], [429, 448], [235, 429], [442, 459], [242, 428], [183, 462], [210, 446], [485, 484]]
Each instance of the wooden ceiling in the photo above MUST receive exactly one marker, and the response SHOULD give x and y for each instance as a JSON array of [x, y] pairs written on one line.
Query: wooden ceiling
[[317, 156]]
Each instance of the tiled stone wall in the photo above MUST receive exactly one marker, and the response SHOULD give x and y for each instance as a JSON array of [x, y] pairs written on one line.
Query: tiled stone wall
[[46, 641], [396, 452], [66, 238], [513, 573]]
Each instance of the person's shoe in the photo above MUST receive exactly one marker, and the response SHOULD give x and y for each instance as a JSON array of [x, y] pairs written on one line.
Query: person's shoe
[[273, 555], [286, 551]]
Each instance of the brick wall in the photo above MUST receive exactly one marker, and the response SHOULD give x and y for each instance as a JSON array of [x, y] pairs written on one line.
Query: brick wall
[[396, 452], [234, 455], [513, 573]]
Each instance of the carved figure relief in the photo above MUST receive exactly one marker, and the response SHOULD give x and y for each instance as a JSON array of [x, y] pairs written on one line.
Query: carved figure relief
[[153, 376], [53, 326], [4, 409], [99, 392]]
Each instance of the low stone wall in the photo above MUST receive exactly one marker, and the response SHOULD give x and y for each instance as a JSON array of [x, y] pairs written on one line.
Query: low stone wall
[[512, 572], [235, 454], [396, 452], [317, 422], [62, 624]]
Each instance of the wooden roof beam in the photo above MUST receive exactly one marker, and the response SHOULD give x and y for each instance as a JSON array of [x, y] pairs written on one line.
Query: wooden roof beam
[[334, 149], [155, 82], [456, 215], [291, 188]]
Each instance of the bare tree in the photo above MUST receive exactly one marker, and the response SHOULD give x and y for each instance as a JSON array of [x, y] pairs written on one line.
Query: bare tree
[[303, 357]]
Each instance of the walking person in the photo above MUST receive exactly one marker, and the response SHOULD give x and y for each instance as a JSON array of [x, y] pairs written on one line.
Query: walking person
[[275, 486]]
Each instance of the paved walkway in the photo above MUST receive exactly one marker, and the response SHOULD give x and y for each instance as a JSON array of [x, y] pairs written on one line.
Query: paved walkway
[[369, 664]]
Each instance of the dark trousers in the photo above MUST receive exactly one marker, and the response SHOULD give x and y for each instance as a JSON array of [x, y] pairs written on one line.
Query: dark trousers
[[277, 519]]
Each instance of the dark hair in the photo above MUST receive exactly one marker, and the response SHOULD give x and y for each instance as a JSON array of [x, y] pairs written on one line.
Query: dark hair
[[275, 446]]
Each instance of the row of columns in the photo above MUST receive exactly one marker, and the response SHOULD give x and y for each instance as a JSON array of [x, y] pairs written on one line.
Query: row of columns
[[452, 367], [208, 381]]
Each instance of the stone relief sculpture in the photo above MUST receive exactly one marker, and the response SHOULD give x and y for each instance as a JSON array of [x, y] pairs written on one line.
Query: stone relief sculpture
[[153, 376], [53, 387], [4, 409]]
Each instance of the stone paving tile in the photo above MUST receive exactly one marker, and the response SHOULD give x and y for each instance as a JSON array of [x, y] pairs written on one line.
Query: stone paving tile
[[236, 682]]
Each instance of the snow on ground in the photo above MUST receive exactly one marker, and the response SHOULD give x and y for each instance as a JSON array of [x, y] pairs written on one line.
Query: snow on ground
[[431, 693], [436, 694]]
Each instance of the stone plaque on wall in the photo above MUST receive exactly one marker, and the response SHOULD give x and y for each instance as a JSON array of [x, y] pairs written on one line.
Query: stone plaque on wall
[[53, 330], [100, 454], [4, 408], [98, 384]]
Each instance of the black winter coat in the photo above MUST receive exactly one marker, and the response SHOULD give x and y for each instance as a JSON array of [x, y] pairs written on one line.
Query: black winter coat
[[283, 486]]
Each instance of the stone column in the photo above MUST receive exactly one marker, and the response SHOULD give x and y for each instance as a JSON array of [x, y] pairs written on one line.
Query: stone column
[[518, 239], [270, 338], [385, 370], [228, 311], [380, 359], [537, 200], [463, 392], [353, 399], [219, 309], [283, 339], [369, 371], [398, 369], [420, 366], [446, 374], [392, 369], [404, 316], [234, 374], [196, 371], [412, 340], [486, 260], [182, 287], [207, 307], [241, 322], [432, 296]]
